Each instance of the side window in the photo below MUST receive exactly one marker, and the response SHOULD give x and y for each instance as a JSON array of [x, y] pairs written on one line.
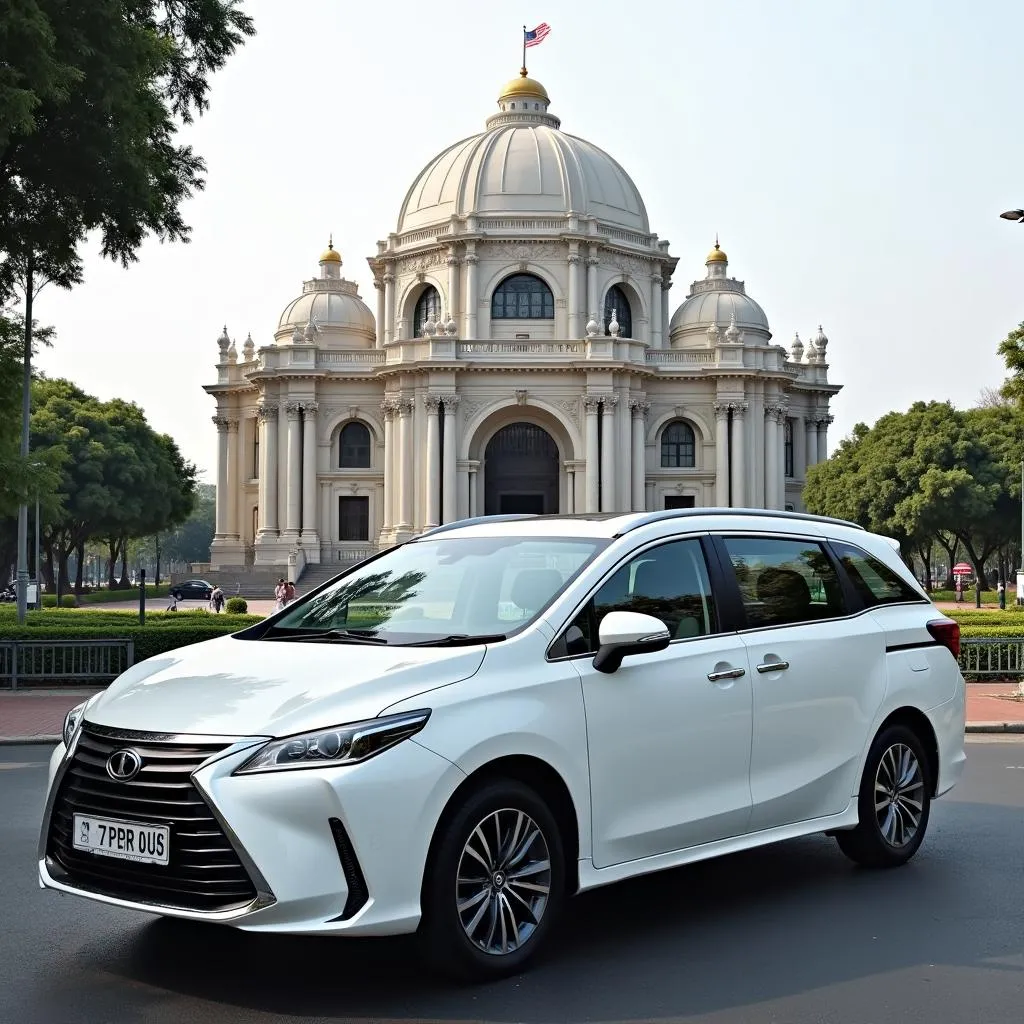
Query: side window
[[669, 582], [784, 581], [873, 580]]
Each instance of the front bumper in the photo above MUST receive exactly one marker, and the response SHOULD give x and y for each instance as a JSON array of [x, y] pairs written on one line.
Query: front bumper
[[298, 834]]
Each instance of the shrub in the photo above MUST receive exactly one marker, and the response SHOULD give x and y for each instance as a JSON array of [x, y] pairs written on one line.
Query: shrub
[[236, 606], [68, 601]]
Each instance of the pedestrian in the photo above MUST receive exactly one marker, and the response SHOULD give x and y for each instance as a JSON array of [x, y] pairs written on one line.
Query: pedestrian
[[959, 590], [289, 592], [217, 599], [279, 595], [1002, 595]]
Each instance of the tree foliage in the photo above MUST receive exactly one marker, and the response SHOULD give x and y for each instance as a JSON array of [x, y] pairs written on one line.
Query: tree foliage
[[931, 474]]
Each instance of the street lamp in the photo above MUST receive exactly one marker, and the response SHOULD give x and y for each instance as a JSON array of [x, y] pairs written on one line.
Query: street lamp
[[1017, 215]]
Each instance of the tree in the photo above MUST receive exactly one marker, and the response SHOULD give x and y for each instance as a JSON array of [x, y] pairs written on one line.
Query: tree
[[190, 542], [91, 97], [1011, 348]]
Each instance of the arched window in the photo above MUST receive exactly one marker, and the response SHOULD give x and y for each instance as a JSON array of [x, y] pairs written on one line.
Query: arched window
[[522, 297], [354, 446], [678, 446], [616, 300], [428, 307]]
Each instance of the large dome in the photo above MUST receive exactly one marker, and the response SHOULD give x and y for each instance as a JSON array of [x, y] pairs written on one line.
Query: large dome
[[523, 164]]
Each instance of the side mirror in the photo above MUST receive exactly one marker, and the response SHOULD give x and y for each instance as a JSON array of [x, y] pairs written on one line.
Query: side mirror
[[625, 633]]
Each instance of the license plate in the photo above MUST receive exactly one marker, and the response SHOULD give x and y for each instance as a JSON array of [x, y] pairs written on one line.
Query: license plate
[[126, 840]]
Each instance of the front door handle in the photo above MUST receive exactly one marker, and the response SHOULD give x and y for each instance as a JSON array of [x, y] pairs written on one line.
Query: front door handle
[[772, 666], [729, 673]]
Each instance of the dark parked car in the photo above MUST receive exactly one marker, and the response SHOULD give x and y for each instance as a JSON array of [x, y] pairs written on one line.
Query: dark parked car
[[192, 590]]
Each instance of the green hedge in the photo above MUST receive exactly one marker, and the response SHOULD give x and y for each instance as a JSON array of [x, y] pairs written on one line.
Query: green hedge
[[130, 594], [236, 606]]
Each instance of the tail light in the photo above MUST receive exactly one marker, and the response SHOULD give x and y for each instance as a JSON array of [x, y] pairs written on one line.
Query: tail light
[[947, 633]]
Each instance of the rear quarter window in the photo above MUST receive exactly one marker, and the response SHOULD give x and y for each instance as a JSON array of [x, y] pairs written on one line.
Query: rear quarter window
[[875, 583]]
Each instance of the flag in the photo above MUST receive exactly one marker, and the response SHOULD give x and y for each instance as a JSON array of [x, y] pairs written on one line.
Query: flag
[[536, 36]]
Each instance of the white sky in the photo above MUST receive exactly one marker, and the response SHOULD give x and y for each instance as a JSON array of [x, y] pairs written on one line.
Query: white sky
[[854, 156]]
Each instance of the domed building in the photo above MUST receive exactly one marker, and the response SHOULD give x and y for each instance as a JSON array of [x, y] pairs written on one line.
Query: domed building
[[521, 359]]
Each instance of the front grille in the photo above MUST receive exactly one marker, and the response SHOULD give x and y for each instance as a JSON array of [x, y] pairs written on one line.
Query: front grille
[[203, 872]]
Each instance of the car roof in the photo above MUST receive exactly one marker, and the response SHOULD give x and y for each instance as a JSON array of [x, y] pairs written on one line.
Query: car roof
[[610, 525]]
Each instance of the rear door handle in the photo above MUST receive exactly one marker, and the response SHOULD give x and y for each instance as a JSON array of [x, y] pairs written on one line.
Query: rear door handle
[[729, 673], [772, 666]]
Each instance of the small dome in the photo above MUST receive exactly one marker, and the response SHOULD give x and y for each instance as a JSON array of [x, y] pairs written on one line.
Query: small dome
[[716, 255], [719, 307], [328, 309], [330, 254], [524, 87]]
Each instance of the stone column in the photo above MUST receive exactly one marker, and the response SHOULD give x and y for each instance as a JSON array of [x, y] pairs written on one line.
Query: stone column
[[309, 449], [472, 300], [799, 449], [432, 403], [593, 310], [574, 292], [381, 313], [268, 469], [570, 487], [739, 469], [722, 454], [234, 477], [666, 283], [823, 422], [282, 467], [590, 405], [608, 406], [291, 525], [405, 462], [639, 409], [453, 284], [811, 432], [451, 447], [771, 456], [222, 499], [656, 325], [472, 491], [387, 408], [389, 307]]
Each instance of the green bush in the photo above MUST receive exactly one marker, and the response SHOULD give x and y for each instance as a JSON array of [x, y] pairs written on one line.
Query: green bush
[[125, 594], [236, 606], [68, 601]]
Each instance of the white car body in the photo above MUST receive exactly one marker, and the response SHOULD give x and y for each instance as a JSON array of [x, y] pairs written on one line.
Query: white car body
[[646, 768]]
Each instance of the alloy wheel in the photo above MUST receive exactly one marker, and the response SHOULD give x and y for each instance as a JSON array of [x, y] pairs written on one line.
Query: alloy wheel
[[503, 882], [899, 795]]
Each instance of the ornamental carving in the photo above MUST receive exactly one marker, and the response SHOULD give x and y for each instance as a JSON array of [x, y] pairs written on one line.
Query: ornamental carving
[[610, 401], [591, 403], [291, 410], [404, 406], [267, 412], [221, 423], [572, 407], [432, 403], [389, 408], [639, 407], [627, 264], [471, 410], [417, 264], [722, 410], [521, 396], [520, 251], [309, 409], [451, 403]]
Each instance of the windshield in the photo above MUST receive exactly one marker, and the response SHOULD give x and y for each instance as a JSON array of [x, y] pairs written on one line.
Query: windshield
[[443, 590]]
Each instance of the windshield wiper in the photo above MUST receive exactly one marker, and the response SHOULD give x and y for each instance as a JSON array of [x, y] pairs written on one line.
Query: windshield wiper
[[344, 636], [458, 640]]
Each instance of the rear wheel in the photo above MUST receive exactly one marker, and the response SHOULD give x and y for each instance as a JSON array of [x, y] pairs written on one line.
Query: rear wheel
[[894, 802], [495, 883], [176, 594]]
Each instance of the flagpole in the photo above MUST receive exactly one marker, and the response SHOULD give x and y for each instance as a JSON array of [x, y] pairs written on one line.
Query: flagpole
[[524, 52]]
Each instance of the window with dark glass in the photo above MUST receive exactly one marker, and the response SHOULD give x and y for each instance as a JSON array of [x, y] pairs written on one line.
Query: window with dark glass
[[616, 302], [680, 501], [788, 446], [678, 446], [669, 582], [873, 580], [783, 582], [522, 297], [428, 307], [354, 446], [353, 518]]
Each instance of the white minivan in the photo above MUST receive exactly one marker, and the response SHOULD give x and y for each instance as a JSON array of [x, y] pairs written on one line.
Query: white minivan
[[459, 733]]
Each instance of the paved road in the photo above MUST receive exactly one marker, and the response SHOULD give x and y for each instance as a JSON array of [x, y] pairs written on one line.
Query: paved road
[[791, 934]]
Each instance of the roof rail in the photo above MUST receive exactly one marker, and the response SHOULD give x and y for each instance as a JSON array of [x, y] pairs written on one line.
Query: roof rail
[[473, 521], [763, 513]]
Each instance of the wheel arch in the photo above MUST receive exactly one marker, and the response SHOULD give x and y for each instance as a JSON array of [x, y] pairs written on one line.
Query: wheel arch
[[917, 722], [538, 775]]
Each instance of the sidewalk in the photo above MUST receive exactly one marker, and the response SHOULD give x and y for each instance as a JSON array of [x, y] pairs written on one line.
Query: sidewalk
[[37, 716]]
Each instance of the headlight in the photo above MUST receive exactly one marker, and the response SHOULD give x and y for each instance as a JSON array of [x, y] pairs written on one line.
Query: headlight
[[72, 721], [344, 744]]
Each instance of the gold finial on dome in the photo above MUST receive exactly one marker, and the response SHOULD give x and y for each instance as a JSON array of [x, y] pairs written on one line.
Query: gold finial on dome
[[330, 254], [524, 88], [716, 255]]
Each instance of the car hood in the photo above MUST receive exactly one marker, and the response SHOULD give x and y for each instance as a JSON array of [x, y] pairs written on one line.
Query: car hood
[[232, 687]]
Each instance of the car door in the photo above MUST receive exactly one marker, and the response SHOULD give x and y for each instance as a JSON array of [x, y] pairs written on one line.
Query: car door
[[818, 676], [669, 732]]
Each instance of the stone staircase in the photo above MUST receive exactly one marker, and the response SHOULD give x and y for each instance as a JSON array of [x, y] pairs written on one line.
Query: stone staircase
[[315, 575], [258, 584]]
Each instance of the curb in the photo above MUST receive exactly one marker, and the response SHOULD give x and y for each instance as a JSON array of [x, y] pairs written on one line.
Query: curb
[[1008, 727], [12, 741]]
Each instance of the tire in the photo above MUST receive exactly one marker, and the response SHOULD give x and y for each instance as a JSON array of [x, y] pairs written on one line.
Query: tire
[[176, 594], [889, 834], [495, 823]]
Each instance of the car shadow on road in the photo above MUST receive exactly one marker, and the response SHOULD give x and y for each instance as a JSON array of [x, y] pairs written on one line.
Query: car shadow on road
[[756, 926]]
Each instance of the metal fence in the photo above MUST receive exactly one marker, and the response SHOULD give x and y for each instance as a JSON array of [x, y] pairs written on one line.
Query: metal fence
[[993, 656], [35, 662]]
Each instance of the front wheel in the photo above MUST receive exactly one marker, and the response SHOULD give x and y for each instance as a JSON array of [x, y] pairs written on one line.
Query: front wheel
[[894, 802], [495, 883]]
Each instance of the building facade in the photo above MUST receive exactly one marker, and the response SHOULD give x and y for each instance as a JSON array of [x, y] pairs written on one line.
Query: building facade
[[522, 359]]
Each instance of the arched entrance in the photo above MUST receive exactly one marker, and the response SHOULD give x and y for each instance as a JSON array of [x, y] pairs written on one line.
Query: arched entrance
[[521, 471]]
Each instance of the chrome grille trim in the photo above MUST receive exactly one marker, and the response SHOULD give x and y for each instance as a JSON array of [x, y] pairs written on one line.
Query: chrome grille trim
[[209, 871]]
